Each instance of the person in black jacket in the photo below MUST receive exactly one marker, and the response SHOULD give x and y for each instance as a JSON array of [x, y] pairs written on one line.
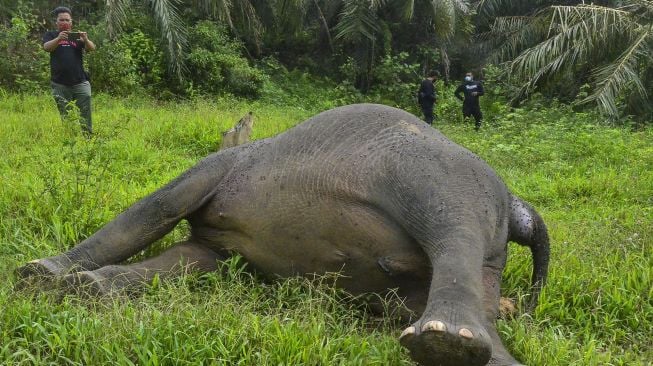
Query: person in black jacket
[[472, 90], [426, 96], [68, 80]]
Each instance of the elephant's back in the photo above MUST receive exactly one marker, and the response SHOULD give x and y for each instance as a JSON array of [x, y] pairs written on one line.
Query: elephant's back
[[359, 125]]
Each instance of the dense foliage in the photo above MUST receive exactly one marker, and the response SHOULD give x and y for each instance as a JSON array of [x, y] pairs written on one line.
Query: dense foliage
[[590, 55]]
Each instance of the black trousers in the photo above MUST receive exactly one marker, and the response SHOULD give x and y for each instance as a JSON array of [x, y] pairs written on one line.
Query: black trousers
[[427, 109], [475, 111]]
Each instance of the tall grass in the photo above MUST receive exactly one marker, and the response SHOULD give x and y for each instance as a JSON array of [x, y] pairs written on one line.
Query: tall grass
[[592, 183]]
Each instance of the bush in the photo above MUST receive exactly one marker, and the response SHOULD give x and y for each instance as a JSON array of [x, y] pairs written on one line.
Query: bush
[[133, 62], [396, 81], [26, 70], [216, 65]]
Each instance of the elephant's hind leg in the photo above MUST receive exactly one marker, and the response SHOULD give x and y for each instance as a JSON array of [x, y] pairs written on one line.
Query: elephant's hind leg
[[182, 258]]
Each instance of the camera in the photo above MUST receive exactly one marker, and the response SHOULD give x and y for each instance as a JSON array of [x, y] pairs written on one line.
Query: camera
[[73, 36]]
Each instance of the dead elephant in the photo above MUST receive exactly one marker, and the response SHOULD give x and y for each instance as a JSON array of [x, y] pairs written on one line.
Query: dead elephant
[[366, 190]]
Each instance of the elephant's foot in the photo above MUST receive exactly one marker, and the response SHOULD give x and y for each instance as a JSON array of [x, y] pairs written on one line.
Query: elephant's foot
[[43, 272], [86, 283], [108, 280], [45, 267], [448, 336]]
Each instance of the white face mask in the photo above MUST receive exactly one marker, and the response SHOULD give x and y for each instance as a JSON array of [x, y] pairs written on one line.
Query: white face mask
[[468, 78]]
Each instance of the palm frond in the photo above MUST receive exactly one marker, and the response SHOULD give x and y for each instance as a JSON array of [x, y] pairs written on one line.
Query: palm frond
[[596, 21], [444, 18], [623, 73], [548, 56], [494, 8], [582, 29], [173, 31], [217, 9], [508, 36], [249, 19], [358, 21], [289, 14], [407, 9], [462, 6], [116, 13]]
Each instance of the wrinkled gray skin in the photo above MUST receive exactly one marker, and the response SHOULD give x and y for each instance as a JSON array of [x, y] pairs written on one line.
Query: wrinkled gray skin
[[366, 190]]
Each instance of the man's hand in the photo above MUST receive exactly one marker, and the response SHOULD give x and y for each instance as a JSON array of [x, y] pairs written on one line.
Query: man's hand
[[90, 46]]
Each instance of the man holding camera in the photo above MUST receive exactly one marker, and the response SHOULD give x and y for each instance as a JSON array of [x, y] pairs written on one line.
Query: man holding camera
[[69, 81]]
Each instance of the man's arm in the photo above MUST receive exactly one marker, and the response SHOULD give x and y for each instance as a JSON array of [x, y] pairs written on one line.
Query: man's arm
[[420, 93], [88, 44], [459, 90], [481, 91], [52, 44]]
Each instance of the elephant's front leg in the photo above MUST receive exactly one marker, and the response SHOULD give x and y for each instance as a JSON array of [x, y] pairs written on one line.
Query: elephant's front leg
[[452, 330], [139, 226], [182, 258]]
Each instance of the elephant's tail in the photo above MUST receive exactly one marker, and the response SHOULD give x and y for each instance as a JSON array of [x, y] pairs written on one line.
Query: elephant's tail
[[527, 228]]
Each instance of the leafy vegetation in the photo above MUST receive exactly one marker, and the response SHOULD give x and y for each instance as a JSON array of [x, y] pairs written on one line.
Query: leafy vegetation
[[605, 47], [593, 55], [590, 181]]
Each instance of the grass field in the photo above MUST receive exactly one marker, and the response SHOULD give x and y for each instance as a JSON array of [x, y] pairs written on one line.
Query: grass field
[[592, 183]]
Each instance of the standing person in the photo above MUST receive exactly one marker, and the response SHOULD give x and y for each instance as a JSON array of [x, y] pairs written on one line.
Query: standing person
[[426, 96], [472, 90], [68, 79]]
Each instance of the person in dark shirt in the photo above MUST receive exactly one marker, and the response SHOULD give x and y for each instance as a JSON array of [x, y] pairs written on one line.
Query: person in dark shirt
[[471, 89], [68, 79], [426, 96]]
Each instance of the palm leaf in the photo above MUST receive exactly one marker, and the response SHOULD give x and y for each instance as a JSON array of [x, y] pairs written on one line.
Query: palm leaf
[[217, 9], [444, 18], [358, 21], [623, 73], [173, 31], [581, 29], [508, 36], [116, 13], [407, 9]]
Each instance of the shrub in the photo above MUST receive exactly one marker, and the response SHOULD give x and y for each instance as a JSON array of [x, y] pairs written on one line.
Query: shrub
[[26, 69], [216, 65], [131, 63], [396, 81]]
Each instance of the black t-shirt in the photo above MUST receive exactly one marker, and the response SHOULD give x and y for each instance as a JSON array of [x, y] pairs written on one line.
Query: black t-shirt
[[66, 61], [426, 93], [467, 89]]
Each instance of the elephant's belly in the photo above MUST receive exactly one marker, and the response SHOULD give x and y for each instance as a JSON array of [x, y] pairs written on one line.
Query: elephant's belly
[[369, 251]]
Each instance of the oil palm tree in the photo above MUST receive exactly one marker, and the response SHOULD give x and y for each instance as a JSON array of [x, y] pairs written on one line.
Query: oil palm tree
[[364, 22], [239, 15], [166, 15], [612, 45]]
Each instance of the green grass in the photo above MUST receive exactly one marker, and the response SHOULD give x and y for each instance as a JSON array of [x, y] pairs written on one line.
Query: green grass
[[592, 183]]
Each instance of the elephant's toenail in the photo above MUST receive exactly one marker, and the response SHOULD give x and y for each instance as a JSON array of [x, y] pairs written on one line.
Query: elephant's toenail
[[434, 326], [408, 331], [465, 333]]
